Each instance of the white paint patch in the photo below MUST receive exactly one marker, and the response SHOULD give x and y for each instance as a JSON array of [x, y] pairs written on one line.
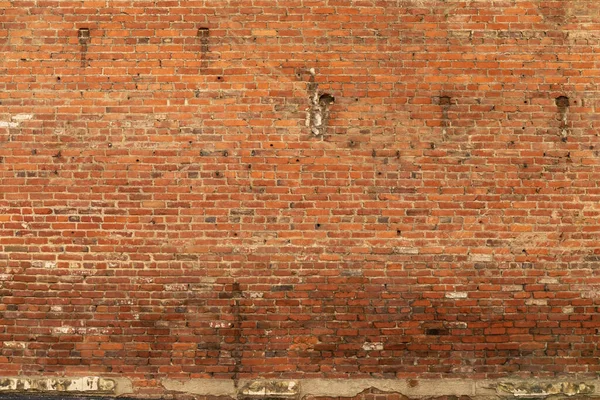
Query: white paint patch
[[12, 384], [406, 250], [22, 117], [481, 257], [512, 288], [72, 330], [536, 302], [457, 325], [84, 385], [63, 330], [371, 346], [464, 369], [50, 264], [14, 345], [456, 295], [176, 287], [5, 124], [220, 324], [271, 388], [80, 384]]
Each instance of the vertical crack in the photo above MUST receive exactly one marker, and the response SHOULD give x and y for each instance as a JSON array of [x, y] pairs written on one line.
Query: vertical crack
[[203, 34], [84, 39], [318, 116], [562, 102], [236, 353]]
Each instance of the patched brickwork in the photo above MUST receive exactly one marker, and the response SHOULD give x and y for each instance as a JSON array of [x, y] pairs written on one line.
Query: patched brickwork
[[228, 190]]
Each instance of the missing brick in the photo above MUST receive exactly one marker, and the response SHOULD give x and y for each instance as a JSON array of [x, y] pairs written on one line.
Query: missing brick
[[84, 35], [326, 99], [562, 102], [445, 100], [436, 332]]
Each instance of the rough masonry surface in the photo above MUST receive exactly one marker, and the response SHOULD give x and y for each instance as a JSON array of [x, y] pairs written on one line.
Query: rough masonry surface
[[227, 191]]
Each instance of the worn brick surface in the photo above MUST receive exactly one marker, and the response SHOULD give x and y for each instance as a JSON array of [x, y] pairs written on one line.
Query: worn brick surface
[[171, 207]]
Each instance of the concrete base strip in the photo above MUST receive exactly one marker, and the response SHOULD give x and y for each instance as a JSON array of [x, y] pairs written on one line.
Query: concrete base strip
[[66, 385], [203, 387], [298, 389], [412, 388]]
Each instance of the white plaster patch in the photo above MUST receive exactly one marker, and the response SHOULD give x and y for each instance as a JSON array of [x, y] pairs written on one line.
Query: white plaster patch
[[50, 264], [271, 388]]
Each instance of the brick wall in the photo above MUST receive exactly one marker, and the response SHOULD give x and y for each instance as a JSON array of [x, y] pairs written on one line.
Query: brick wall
[[299, 189]]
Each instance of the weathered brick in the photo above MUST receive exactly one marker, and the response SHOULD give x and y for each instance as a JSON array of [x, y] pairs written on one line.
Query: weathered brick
[[324, 189]]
